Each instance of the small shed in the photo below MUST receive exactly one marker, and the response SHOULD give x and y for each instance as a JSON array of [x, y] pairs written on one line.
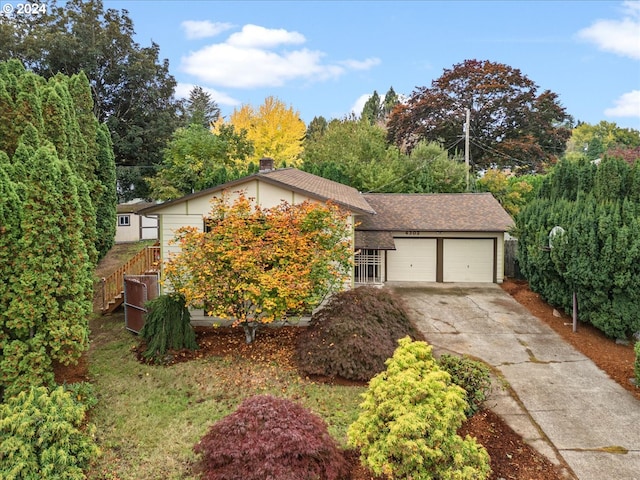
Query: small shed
[[131, 226]]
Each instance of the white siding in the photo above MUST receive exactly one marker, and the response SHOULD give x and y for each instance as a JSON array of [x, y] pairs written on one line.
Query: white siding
[[399, 265], [413, 260]]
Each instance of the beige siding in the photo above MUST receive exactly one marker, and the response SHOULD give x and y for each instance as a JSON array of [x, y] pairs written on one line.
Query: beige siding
[[128, 233]]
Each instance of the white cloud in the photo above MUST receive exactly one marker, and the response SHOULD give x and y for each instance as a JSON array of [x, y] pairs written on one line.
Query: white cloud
[[361, 64], [221, 98], [621, 37], [632, 8], [628, 105], [195, 29], [358, 106], [255, 36], [257, 57]]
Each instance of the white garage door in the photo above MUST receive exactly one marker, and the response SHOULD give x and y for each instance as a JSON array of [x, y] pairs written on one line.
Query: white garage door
[[467, 260], [413, 260]]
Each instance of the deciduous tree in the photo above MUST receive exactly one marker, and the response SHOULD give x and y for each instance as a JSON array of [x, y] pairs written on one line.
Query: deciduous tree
[[511, 123], [512, 192], [276, 131], [354, 152], [196, 159], [595, 141], [256, 265]]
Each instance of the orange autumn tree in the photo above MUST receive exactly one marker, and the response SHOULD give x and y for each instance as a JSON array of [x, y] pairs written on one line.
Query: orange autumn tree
[[256, 265]]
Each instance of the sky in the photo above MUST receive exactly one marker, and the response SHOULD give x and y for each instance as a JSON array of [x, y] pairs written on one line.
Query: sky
[[325, 58]]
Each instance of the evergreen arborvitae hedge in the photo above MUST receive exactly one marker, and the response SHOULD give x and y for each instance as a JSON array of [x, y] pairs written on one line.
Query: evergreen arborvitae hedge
[[354, 334], [271, 438], [598, 256], [167, 326], [48, 207]]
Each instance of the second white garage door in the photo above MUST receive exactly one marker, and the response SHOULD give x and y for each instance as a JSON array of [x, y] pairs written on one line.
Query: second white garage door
[[468, 260], [413, 260]]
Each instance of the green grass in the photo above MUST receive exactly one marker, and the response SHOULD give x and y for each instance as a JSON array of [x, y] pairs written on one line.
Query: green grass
[[149, 417]]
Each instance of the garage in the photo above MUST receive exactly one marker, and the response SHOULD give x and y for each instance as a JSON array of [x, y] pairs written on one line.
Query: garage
[[413, 260], [468, 260], [457, 237]]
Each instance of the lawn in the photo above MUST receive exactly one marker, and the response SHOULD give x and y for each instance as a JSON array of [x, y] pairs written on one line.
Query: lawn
[[149, 417]]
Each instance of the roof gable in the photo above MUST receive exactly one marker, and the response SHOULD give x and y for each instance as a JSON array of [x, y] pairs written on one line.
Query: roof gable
[[467, 212], [293, 179]]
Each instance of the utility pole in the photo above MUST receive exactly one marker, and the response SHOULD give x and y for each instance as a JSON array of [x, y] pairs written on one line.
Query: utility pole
[[466, 144]]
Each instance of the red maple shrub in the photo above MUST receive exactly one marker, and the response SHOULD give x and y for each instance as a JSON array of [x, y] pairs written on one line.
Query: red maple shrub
[[354, 334], [271, 438]]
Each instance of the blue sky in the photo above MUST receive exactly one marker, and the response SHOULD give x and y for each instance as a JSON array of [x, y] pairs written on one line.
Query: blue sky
[[326, 57]]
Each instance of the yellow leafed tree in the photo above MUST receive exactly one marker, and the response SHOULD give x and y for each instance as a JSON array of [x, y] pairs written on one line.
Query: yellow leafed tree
[[275, 131]]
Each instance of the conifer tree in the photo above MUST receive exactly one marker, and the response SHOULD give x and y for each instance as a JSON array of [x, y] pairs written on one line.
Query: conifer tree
[[49, 190], [107, 199]]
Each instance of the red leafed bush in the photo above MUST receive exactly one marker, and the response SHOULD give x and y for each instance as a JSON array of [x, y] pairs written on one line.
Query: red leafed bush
[[271, 438], [354, 334]]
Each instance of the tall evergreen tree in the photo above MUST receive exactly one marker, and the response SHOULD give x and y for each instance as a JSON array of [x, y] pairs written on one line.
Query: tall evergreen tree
[[201, 109], [106, 213], [391, 99], [372, 110], [50, 191]]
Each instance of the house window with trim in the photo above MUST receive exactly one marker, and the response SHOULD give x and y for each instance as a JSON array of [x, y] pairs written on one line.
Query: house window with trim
[[124, 220], [368, 266]]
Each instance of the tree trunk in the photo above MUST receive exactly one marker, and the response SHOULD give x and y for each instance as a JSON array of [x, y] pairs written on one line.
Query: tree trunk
[[249, 332]]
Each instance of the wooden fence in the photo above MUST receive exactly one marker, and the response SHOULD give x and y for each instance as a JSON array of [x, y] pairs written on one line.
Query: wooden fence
[[511, 268], [144, 262]]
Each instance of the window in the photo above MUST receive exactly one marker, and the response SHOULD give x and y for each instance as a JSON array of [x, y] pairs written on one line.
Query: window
[[124, 220], [368, 266]]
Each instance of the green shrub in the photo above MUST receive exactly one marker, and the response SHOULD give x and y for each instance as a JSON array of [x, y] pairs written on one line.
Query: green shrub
[[636, 365], [42, 436], [409, 419], [470, 375], [271, 438], [167, 326], [354, 334], [83, 392]]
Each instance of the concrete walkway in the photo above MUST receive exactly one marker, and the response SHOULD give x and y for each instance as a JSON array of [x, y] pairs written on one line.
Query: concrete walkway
[[560, 402]]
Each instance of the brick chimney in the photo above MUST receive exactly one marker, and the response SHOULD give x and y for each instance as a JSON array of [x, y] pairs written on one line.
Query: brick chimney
[[266, 164]]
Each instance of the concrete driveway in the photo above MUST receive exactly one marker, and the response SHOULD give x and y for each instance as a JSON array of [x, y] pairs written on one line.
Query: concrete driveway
[[560, 401]]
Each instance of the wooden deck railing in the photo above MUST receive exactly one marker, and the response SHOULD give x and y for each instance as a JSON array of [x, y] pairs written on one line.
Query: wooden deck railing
[[145, 261]]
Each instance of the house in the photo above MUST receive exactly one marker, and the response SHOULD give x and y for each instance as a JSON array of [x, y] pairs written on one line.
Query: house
[[397, 237], [132, 226]]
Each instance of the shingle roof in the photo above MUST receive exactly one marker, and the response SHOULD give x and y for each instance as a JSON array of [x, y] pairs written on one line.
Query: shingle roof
[[133, 207], [293, 179], [374, 239], [316, 186], [469, 212]]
